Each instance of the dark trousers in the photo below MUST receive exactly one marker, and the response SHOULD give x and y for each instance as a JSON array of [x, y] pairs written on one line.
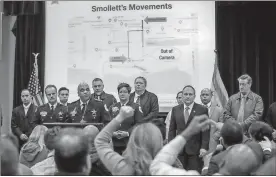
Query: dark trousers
[[191, 162]]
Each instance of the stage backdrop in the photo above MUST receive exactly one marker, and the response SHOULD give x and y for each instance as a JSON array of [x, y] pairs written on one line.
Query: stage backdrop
[[170, 43]]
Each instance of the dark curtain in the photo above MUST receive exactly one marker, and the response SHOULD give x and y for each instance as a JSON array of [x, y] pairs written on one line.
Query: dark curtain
[[29, 30], [246, 43]]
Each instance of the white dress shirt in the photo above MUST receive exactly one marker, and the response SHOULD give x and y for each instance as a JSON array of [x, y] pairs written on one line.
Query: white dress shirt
[[208, 106], [55, 105], [81, 103], [26, 108], [136, 96]]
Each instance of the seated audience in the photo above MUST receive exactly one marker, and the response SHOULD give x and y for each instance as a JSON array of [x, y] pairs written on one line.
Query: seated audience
[[262, 133], [23, 169], [241, 160], [162, 163], [34, 150], [9, 158], [97, 169], [232, 134], [144, 143], [72, 153], [48, 166]]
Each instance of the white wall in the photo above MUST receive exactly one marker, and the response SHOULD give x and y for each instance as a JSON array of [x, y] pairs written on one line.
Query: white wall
[[7, 71]]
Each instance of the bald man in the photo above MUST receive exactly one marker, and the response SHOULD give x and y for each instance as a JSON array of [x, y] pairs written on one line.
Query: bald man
[[87, 110], [241, 160], [215, 113], [72, 153], [97, 169]]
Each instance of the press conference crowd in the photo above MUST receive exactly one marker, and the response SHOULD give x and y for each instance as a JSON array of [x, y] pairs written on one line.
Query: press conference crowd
[[127, 137]]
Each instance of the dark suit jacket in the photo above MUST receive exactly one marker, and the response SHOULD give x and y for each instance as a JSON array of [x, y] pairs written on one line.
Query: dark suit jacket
[[107, 99], [178, 125], [215, 161], [149, 105], [127, 124], [43, 114], [271, 115], [94, 113], [20, 123]]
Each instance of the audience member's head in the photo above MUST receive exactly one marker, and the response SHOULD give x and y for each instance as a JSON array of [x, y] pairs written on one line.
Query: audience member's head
[[231, 133], [142, 148], [258, 130], [240, 160], [37, 136], [12, 138], [72, 152], [91, 132], [50, 137], [9, 157]]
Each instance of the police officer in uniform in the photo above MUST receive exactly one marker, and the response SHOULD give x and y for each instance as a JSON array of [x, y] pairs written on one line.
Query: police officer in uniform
[[52, 111], [87, 110], [100, 95]]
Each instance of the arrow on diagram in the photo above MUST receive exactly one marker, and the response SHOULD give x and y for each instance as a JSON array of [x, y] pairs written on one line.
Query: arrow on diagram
[[118, 59], [155, 19]]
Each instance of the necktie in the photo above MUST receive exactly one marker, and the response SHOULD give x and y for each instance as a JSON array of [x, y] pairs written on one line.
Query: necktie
[[186, 114], [83, 108], [241, 110], [138, 100], [52, 111]]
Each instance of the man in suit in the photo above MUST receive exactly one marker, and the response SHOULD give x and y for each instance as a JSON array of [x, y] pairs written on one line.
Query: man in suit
[[197, 146], [120, 137], [215, 113], [231, 133], [22, 116], [147, 101], [86, 109], [245, 107], [271, 118], [100, 95], [52, 111], [63, 95]]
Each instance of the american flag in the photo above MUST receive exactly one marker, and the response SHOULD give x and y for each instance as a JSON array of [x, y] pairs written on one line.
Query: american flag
[[34, 86], [220, 93]]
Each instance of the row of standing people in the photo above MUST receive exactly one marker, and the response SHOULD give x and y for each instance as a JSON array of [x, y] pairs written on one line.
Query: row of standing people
[[99, 107]]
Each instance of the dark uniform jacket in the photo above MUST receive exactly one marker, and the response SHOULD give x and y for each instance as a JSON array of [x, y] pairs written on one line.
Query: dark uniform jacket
[[106, 99], [21, 123], [149, 105], [127, 124], [44, 115], [94, 113]]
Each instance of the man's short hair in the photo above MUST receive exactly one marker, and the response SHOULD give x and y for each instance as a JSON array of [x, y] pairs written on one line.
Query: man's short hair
[[97, 79], [141, 77], [71, 150], [9, 158], [49, 86], [190, 87], [179, 93], [50, 137], [231, 132], [62, 88], [258, 130], [25, 90], [127, 86], [247, 77]]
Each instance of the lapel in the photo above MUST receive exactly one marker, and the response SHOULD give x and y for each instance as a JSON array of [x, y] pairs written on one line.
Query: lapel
[[22, 111], [213, 106], [192, 114], [144, 98], [30, 110], [79, 107], [131, 97], [181, 117]]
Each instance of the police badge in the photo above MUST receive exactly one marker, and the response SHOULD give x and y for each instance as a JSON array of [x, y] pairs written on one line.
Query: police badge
[[43, 113], [73, 113], [94, 113]]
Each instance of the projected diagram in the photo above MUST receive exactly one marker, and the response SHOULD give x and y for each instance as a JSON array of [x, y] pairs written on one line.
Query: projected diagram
[[125, 46]]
